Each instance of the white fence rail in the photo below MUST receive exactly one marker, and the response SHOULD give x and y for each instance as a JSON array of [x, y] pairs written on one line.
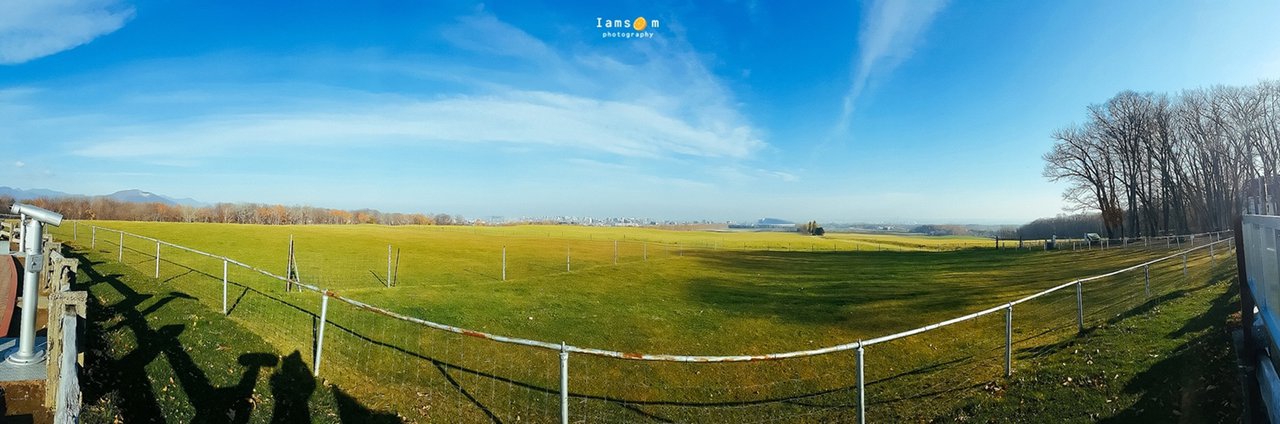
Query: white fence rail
[[1212, 243]]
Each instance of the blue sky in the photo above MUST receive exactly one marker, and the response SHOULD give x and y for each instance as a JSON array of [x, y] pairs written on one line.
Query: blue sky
[[877, 111]]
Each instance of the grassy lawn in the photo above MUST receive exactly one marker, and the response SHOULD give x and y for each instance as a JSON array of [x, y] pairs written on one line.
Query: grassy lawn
[[686, 292], [156, 354], [1169, 360]]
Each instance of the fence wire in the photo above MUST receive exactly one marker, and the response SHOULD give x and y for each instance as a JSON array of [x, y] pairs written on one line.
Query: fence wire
[[427, 374]]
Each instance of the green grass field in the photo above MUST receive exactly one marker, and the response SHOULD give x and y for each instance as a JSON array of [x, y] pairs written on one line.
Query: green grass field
[[680, 292]]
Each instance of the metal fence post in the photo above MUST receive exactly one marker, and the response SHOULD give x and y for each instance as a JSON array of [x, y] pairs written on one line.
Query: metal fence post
[[324, 312], [1079, 306], [862, 388], [504, 263], [615, 252], [388, 265], [1008, 340], [1146, 278], [1184, 264], [75, 230], [224, 287], [1212, 256], [93, 237], [567, 267], [564, 384], [157, 259], [121, 255]]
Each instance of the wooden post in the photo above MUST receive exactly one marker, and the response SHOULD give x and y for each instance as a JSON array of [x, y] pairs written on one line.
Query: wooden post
[[60, 303], [224, 286], [291, 267], [395, 271]]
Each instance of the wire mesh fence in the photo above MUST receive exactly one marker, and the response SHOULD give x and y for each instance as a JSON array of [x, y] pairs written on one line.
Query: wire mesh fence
[[434, 372]]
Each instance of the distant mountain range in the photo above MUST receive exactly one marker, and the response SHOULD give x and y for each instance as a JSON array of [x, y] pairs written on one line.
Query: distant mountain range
[[130, 196]]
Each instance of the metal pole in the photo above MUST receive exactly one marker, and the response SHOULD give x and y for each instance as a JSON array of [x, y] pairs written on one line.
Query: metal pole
[[564, 384], [93, 237], [566, 260], [615, 252], [1079, 306], [1184, 264], [157, 259], [504, 263], [646, 251], [324, 312], [224, 287], [862, 389], [1212, 256], [1146, 277], [388, 265], [32, 239], [120, 258], [1252, 398], [75, 230], [1008, 341]]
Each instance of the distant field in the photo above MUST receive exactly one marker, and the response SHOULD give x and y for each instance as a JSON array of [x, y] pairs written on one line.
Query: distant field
[[680, 292]]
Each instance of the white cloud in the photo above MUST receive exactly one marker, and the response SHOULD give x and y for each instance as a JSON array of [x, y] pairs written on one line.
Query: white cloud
[[486, 34], [517, 118], [19, 164], [888, 35], [34, 29], [653, 100], [784, 176]]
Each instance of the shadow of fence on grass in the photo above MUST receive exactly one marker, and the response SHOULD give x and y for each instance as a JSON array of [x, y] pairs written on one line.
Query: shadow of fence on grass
[[126, 383]]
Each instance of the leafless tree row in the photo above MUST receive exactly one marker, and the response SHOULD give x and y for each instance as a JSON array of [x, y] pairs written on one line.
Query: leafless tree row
[[1154, 164], [238, 213]]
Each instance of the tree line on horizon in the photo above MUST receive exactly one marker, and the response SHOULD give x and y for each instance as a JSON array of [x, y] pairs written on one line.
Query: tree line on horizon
[[1153, 164], [101, 208]]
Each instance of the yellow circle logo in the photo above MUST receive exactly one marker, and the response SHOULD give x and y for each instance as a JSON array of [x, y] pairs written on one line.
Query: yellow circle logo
[[639, 24]]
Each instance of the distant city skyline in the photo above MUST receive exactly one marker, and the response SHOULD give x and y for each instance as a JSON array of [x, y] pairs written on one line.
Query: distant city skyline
[[880, 111]]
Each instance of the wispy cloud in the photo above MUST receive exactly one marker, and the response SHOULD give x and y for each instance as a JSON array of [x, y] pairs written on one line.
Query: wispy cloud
[[889, 32], [528, 118], [34, 29], [653, 100]]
